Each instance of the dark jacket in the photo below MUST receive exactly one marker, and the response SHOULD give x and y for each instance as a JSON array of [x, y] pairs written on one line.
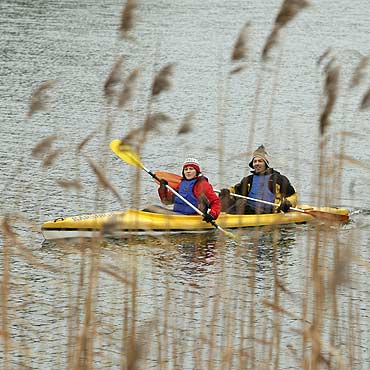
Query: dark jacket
[[278, 184]]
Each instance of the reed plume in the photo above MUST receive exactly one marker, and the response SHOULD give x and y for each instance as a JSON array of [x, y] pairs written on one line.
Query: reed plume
[[186, 124], [114, 78], [39, 98], [270, 43], [128, 87], [331, 92], [132, 135], [240, 49], [152, 121], [70, 184], [323, 56], [162, 80], [238, 69], [44, 145], [360, 72], [288, 11], [51, 157], [365, 102], [127, 18]]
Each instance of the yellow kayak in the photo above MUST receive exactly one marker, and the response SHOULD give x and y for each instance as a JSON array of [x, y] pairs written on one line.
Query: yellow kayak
[[134, 221]]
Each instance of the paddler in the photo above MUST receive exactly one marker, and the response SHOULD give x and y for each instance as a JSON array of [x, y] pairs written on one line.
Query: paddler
[[195, 188], [264, 184]]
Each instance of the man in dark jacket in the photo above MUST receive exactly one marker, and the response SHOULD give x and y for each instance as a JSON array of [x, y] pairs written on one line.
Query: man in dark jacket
[[263, 184]]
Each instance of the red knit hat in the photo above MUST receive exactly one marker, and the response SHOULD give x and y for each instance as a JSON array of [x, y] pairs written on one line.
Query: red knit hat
[[192, 162]]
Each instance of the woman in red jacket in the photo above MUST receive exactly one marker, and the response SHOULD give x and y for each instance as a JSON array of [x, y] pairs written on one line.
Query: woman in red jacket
[[196, 189]]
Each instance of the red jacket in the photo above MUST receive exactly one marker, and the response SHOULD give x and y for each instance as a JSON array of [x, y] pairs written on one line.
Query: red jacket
[[202, 186]]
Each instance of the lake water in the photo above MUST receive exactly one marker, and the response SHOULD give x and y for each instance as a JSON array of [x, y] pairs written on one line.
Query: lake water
[[195, 301]]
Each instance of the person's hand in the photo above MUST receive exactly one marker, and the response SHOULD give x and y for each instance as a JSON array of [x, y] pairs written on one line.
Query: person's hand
[[163, 183], [284, 206], [208, 217], [224, 193]]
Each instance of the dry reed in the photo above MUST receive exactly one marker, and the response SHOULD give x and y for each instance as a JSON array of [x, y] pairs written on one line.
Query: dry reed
[[51, 157], [352, 161], [288, 11], [110, 270], [133, 135], [331, 92], [113, 79], [186, 124], [44, 145], [326, 54], [360, 72], [152, 121], [85, 141], [238, 70], [39, 98], [128, 88], [162, 80], [365, 102], [70, 184], [127, 18], [227, 334], [240, 49], [5, 290], [103, 179]]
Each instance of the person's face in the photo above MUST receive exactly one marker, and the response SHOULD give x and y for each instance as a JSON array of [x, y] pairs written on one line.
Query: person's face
[[259, 164], [190, 172]]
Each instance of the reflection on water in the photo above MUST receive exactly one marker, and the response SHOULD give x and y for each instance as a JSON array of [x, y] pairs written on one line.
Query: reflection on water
[[269, 243], [198, 254], [184, 256], [196, 257]]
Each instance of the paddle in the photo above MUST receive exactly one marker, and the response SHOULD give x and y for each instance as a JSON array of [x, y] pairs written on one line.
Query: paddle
[[322, 215], [129, 156], [172, 179]]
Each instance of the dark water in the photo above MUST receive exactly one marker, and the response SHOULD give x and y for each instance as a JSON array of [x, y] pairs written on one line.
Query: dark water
[[204, 282]]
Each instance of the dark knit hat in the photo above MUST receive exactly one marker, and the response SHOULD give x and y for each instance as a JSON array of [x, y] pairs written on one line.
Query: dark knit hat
[[191, 162], [261, 153]]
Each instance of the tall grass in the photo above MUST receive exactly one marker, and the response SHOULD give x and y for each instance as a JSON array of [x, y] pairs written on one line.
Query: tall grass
[[116, 318]]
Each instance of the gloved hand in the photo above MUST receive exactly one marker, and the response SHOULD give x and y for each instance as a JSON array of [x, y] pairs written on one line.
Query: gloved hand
[[163, 183], [208, 217], [284, 206], [224, 193]]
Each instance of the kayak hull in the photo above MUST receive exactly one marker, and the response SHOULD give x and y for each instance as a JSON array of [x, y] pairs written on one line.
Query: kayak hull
[[148, 223]]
